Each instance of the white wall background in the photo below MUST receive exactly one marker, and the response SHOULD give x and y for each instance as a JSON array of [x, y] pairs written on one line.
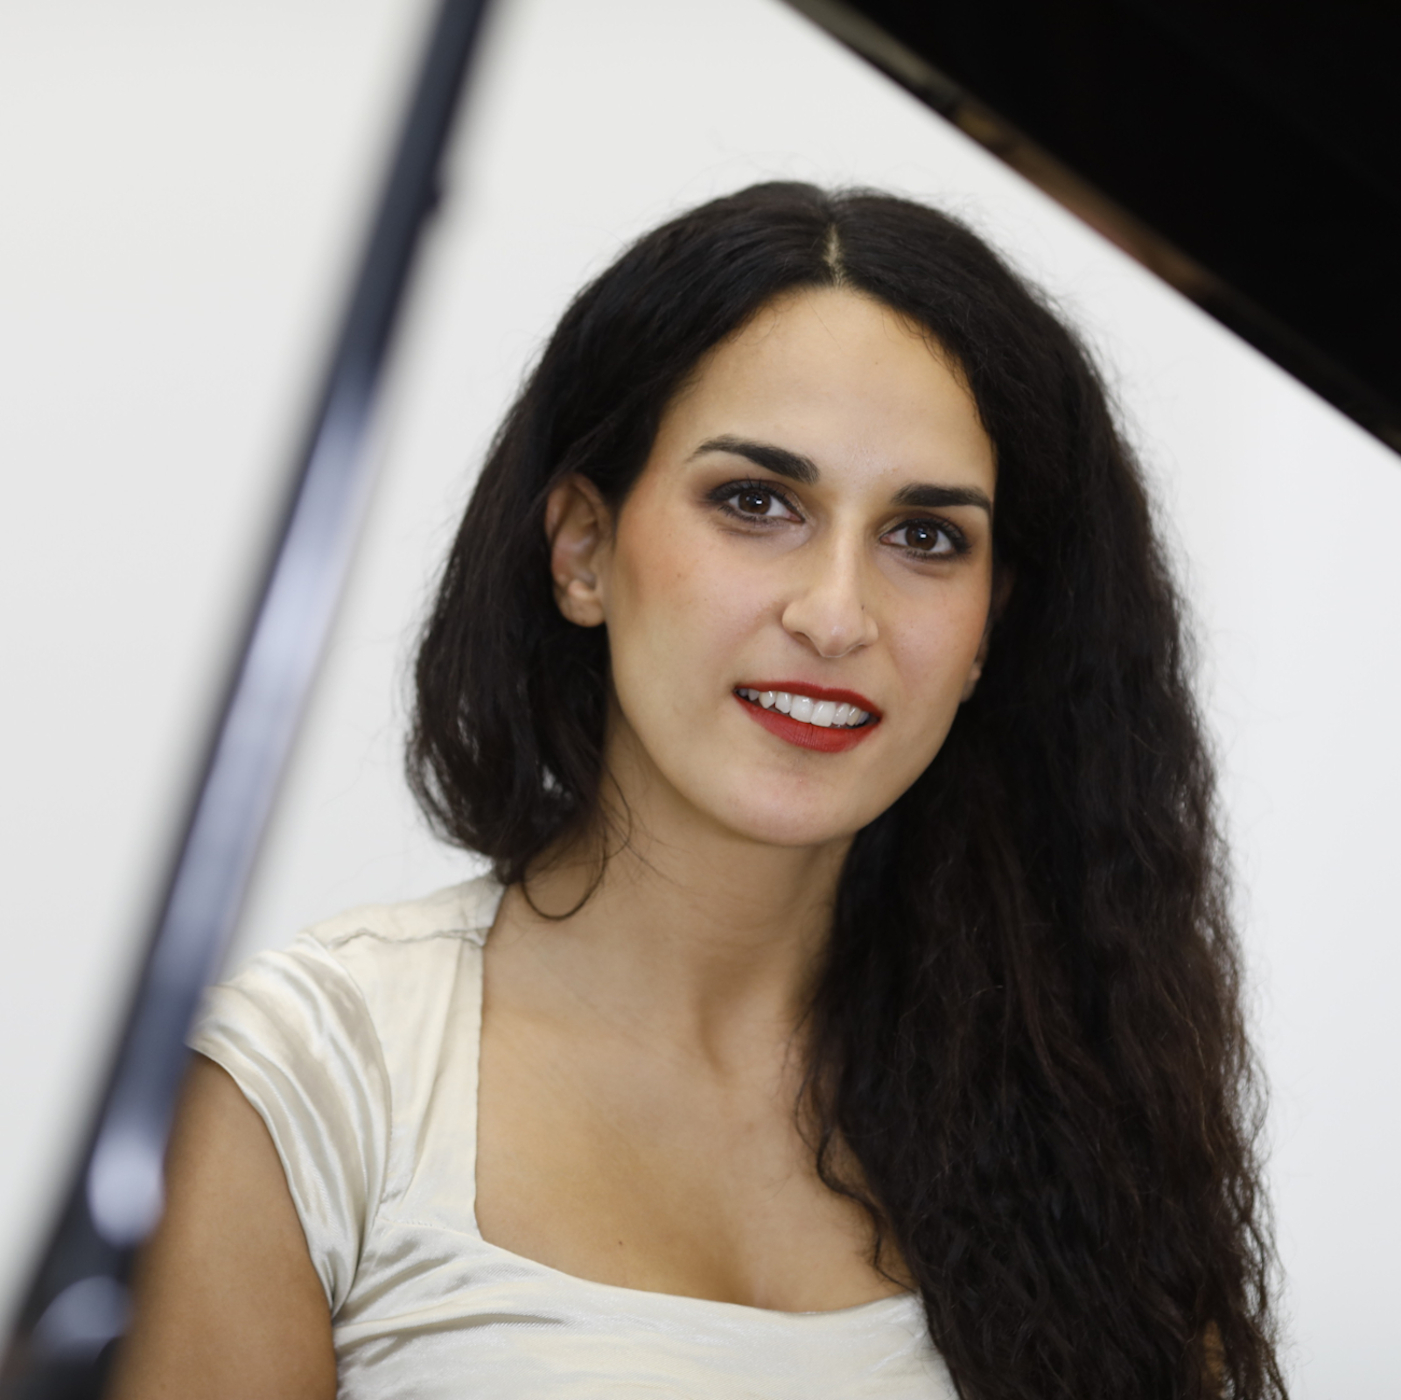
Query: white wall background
[[182, 187]]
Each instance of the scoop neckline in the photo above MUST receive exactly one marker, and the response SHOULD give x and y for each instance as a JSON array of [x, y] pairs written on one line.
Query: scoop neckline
[[778, 1315]]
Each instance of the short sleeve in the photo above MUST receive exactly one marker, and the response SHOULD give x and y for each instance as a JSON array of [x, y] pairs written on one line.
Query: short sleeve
[[294, 1032]]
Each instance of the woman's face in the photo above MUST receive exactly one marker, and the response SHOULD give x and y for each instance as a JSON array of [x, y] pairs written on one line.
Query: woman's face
[[812, 532]]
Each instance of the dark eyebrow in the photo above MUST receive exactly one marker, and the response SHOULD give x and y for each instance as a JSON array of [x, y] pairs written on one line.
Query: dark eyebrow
[[933, 497], [803, 470], [778, 460]]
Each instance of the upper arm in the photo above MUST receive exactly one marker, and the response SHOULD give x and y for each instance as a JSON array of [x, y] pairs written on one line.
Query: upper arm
[[228, 1303]]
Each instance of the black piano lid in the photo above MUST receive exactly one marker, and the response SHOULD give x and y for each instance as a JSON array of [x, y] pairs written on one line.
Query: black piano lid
[[1248, 152]]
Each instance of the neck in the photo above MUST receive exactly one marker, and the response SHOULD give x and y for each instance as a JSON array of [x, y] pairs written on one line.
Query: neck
[[693, 933]]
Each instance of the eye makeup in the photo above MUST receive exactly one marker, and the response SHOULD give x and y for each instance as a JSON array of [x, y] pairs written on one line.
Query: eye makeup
[[727, 495], [930, 525], [763, 496]]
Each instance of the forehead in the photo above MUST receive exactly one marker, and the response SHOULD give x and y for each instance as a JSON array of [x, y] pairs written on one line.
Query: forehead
[[843, 379]]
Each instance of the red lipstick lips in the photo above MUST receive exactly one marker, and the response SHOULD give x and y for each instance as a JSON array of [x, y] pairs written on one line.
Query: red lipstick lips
[[811, 736]]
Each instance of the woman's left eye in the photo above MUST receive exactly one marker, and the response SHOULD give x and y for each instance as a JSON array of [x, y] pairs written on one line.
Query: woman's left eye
[[927, 537]]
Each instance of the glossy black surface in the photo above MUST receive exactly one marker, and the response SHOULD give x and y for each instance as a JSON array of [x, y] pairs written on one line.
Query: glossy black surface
[[1259, 145]]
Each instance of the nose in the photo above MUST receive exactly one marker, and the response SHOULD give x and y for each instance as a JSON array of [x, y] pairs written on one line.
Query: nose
[[828, 609]]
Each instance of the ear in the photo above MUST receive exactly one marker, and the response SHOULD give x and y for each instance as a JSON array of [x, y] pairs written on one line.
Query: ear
[[579, 528], [1002, 579]]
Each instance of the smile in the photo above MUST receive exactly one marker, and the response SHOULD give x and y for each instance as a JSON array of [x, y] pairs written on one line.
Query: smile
[[825, 714], [811, 717]]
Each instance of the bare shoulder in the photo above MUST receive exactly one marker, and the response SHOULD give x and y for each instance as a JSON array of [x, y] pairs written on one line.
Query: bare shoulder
[[228, 1304]]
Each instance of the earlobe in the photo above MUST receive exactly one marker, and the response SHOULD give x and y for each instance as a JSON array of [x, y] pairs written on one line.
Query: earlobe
[[577, 527], [1001, 592], [974, 675]]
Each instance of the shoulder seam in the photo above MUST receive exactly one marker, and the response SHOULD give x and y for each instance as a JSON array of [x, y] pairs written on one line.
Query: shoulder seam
[[470, 935], [372, 1207]]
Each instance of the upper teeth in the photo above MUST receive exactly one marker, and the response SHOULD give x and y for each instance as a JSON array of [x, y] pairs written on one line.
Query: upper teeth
[[825, 714]]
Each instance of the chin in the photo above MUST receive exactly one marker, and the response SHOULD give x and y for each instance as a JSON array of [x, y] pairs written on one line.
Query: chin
[[792, 819]]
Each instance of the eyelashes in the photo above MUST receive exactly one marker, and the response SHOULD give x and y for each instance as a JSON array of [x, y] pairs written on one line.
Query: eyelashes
[[761, 504], [760, 494], [927, 530]]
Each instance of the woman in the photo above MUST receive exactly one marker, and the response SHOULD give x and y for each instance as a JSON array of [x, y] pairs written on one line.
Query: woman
[[853, 1008]]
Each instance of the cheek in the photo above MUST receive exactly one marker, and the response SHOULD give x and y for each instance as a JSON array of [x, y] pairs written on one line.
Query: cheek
[[677, 607], [934, 654]]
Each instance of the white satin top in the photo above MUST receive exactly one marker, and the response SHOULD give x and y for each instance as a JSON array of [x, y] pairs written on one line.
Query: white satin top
[[359, 1048]]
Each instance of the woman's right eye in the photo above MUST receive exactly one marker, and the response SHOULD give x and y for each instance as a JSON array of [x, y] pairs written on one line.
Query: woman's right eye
[[755, 502]]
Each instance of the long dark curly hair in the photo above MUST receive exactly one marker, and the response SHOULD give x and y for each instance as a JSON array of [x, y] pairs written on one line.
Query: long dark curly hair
[[1028, 1030]]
